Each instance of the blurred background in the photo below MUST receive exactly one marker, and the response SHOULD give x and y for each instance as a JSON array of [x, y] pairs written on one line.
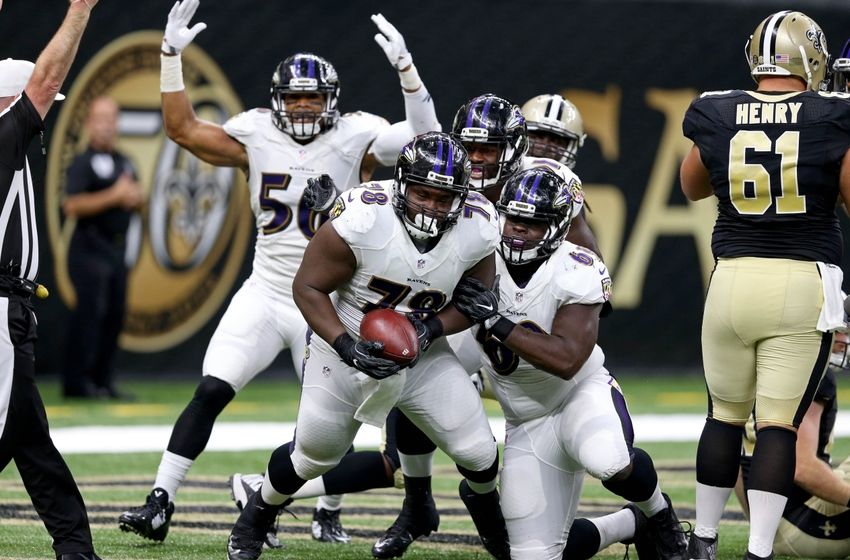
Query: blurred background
[[632, 67]]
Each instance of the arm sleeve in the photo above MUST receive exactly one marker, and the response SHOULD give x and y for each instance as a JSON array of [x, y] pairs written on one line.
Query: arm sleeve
[[420, 117], [78, 175]]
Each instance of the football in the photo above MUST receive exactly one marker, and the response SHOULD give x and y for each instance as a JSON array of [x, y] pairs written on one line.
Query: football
[[392, 328]]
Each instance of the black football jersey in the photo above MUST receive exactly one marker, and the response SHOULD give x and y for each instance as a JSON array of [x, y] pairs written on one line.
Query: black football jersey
[[774, 161]]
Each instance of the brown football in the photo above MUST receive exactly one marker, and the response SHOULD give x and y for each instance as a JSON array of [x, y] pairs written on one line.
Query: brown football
[[392, 328]]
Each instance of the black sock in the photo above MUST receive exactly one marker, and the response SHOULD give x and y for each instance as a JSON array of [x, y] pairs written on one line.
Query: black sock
[[641, 482], [282, 473], [193, 428], [583, 542], [358, 471], [774, 458], [719, 454]]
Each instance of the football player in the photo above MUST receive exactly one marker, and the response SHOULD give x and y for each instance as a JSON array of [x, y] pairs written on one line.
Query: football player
[[777, 159], [815, 523], [565, 414], [302, 136], [402, 244], [555, 128]]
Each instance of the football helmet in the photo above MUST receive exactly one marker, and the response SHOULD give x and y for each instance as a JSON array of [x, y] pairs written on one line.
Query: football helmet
[[552, 114], [535, 194], [839, 358], [436, 160], [490, 119], [304, 73], [841, 70], [789, 43]]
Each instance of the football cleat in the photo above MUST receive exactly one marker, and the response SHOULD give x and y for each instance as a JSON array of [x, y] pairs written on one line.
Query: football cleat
[[151, 520], [487, 516], [670, 540], [249, 533], [418, 517], [750, 556], [327, 528], [242, 487], [642, 539], [78, 556], [700, 548]]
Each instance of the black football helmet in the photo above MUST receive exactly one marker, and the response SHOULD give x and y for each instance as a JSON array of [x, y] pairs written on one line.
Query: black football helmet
[[436, 160], [841, 70], [535, 194], [305, 73], [491, 119]]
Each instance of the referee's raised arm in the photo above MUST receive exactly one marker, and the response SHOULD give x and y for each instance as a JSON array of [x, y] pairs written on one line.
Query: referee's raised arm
[[52, 65]]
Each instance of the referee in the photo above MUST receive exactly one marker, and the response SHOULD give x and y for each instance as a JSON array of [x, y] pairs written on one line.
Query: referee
[[26, 93]]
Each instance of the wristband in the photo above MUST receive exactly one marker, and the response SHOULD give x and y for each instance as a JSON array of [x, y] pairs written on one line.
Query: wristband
[[170, 74], [435, 327], [342, 342], [502, 328], [410, 79]]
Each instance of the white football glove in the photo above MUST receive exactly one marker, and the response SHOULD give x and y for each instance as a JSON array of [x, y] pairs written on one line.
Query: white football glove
[[392, 42], [477, 382], [178, 34]]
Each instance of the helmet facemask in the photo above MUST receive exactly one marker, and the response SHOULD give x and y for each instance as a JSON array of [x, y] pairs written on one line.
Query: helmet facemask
[[304, 74], [426, 222], [839, 358], [558, 126]]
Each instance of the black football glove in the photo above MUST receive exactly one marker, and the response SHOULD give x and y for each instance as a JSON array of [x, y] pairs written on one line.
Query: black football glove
[[320, 193], [364, 356], [475, 300], [426, 331]]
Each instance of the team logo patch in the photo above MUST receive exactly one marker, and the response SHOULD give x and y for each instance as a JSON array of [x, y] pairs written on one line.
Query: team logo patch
[[186, 254], [606, 288], [338, 208], [582, 258]]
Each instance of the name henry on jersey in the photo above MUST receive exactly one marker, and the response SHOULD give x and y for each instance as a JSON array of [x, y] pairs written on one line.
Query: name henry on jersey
[[767, 113]]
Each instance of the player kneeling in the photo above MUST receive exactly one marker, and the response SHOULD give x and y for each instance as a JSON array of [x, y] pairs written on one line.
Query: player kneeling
[[565, 413]]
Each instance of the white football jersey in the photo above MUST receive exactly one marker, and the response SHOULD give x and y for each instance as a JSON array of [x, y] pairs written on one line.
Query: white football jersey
[[572, 274], [279, 169], [391, 272], [564, 172]]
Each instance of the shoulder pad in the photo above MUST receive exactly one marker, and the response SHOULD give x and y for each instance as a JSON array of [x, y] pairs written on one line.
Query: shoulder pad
[[357, 215], [581, 276], [715, 93], [244, 124]]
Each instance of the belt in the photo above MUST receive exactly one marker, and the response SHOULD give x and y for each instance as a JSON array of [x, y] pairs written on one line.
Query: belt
[[13, 285]]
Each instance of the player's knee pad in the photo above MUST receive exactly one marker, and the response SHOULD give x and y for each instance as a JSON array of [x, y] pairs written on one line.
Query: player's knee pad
[[583, 541], [282, 473], [638, 482], [211, 396], [605, 460], [484, 475]]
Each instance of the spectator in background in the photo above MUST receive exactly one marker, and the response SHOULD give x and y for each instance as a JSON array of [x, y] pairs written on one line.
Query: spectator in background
[[27, 92], [102, 194]]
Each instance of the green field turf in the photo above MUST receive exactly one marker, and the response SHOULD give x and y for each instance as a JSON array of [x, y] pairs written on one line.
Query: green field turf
[[205, 514]]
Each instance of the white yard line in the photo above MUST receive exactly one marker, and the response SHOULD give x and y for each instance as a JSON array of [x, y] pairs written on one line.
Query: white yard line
[[241, 436]]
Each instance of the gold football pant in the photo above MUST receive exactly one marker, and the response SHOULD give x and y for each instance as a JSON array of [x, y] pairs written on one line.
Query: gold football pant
[[760, 344]]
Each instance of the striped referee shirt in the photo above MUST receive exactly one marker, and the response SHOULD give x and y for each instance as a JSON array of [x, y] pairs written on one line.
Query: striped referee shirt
[[19, 124]]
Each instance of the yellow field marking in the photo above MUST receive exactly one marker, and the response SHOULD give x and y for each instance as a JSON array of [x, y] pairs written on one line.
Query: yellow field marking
[[681, 398], [132, 410]]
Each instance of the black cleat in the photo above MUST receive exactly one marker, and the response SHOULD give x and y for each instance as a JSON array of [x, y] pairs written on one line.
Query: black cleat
[[750, 556], [242, 487], [670, 540], [418, 518], [642, 539], [700, 548], [487, 515], [78, 556], [249, 533], [327, 528], [151, 520]]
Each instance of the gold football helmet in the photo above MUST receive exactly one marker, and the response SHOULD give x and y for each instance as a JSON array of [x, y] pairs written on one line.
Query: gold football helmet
[[553, 115], [789, 44]]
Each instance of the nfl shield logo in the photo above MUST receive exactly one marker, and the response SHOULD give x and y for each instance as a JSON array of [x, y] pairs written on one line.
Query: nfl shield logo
[[519, 297], [420, 264], [326, 371]]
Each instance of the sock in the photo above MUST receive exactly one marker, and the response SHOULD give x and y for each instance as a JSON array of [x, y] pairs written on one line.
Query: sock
[[711, 501], [330, 503], [583, 540], [482, 487], [171, 473], [312, 489], [416, 466], [359, 471], [765, 514], [654, 504], [269, 495], [615, 527]]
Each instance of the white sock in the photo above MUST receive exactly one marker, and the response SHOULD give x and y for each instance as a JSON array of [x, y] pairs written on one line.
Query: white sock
[[312, 489], [171, 473], [614, 527], [654, 504], [482, 488], [711, 501], [765, 514], [270, 495], [330, 503], [417, 466]]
